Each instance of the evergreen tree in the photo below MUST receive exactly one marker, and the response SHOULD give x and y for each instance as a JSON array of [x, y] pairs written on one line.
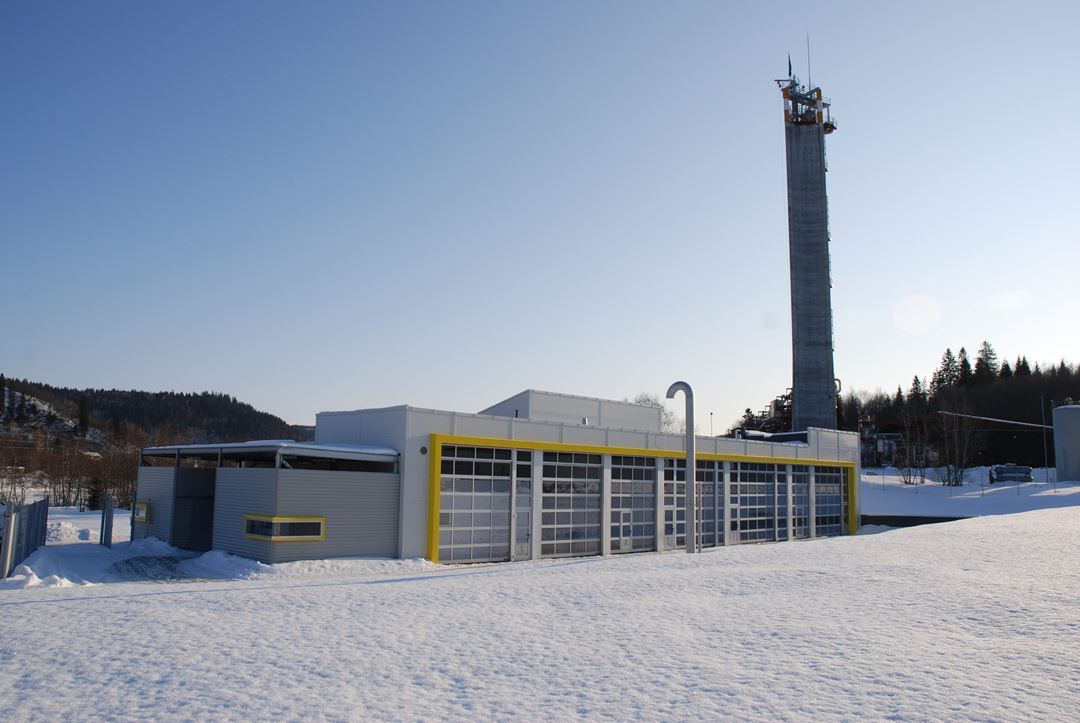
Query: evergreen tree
[[986, 364], [898, 400], [947, 374], [1022, 368], [1006, 370], [964, 374], [916, 396]]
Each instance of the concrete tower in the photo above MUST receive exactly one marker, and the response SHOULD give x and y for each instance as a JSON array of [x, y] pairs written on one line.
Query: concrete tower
[[806, 123]]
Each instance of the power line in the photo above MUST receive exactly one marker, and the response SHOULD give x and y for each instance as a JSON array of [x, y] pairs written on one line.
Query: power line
[[1000, 421]]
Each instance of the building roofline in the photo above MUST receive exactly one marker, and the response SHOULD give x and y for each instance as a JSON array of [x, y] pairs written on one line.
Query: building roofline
[[332, 412], [577, 396], [363, 452]]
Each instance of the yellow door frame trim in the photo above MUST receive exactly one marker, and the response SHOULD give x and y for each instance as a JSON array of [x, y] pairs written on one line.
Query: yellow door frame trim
[[438, 440]]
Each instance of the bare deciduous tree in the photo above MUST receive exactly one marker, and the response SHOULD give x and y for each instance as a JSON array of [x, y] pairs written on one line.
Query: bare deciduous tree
[[669, 421], [956, 435]]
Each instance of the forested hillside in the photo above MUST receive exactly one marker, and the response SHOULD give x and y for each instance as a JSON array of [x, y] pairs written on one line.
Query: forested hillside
[[75, 443], [987, 387], [158, 417]]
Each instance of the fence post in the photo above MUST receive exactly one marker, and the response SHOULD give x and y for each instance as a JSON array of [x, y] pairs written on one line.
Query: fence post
[[45, 522], [8, 546], [105, 535]]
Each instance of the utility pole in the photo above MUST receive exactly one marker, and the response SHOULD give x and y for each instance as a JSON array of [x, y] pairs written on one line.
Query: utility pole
[[1046, 454]]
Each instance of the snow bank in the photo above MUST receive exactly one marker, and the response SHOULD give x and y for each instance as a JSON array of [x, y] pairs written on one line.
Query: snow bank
[[349, 567], [65, 565], [221, 565], [44, 568], [67, 532], [81, 564], [24, 577], [218, 564], [68, 524]]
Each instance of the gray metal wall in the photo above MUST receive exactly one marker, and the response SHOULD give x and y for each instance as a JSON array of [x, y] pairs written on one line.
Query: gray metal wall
[[813, 385], [552, 407], [1067, 443], [155, 485], [515, 406], [361, 511], [240, 492], [370, 426]]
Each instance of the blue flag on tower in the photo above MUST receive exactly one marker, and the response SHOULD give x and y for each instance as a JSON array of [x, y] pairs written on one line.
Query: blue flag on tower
[[789, 65]]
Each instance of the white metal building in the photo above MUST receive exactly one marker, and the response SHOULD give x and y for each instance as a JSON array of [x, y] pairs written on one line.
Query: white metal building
[[537, 475]]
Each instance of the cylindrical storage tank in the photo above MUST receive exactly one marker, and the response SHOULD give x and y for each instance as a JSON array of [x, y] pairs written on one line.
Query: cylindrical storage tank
[[1067, 442]]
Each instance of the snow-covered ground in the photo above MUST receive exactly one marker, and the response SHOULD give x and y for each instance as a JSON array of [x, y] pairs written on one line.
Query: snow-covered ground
[[975, 619], [73, 557], [883, 493]]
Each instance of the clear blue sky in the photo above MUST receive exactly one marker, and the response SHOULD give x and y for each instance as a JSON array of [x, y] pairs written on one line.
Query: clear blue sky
[[341, 204]]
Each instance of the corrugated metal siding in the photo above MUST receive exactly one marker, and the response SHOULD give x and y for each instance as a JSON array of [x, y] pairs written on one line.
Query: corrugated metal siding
[[155, 485], [361, 511], [240, 492]]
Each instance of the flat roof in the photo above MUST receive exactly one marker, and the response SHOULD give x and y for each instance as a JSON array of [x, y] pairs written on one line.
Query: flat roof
[[365, 452], [563, 395]]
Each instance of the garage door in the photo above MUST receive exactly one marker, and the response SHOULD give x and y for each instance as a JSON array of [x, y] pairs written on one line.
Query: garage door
[[474, 504]]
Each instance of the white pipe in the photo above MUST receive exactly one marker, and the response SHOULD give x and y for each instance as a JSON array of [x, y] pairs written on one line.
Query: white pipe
[[692, 539]]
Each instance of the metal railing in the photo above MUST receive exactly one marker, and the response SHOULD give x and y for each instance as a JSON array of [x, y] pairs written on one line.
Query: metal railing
[[23, 533]]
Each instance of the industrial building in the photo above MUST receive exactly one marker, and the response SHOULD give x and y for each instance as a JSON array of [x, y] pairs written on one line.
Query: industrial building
[[538, 475]]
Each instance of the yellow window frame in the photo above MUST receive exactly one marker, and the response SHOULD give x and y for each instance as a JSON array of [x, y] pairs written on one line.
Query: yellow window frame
[[286, 538]]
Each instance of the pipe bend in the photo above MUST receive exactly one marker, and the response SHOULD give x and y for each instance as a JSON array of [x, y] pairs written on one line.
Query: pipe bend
[[679, 387]]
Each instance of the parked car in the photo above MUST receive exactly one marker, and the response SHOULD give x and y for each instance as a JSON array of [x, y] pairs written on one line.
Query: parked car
[[1010, 473]]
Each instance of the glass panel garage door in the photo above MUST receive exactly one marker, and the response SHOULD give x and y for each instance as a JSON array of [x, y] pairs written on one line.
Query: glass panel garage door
[[523, 506], [710, 477], [828, 483], [754, 486], [570, 522], [674, 503], [781, 502], [800, 496], [633, 504], [474, 505]]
